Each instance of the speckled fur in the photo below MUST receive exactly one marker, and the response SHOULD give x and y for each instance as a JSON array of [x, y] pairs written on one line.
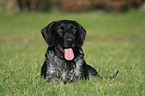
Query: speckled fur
[[55, 66]]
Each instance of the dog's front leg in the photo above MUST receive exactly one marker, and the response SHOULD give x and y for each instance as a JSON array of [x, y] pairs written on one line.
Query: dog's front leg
[[52, 74], [51, 79]]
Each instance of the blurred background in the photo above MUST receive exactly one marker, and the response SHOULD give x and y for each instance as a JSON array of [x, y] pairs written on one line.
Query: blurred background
[[69, 5], [113, 19]]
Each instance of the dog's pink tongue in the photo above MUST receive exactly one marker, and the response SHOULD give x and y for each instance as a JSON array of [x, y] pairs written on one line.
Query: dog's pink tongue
[[68, 54]]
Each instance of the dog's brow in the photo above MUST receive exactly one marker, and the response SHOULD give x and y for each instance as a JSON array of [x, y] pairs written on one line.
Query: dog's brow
[[61, 27], [71, 26]]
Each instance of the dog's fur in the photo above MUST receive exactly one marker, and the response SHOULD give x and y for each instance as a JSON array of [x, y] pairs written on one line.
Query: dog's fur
[[60, 35]]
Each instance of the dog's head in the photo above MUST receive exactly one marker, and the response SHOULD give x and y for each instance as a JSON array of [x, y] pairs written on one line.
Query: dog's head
[[65, 33]]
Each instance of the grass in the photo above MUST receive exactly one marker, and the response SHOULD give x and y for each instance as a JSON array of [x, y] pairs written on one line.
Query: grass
[[113, 42]]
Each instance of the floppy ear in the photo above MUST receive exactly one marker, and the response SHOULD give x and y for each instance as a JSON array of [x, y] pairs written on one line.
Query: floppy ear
[[47, 34], [82, 34]]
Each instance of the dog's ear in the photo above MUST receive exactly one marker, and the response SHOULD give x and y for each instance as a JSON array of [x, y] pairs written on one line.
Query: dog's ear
[[81, 34], [47, 34]]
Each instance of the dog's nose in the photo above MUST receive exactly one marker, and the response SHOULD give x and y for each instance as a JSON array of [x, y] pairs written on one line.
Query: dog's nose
[[69, 40]]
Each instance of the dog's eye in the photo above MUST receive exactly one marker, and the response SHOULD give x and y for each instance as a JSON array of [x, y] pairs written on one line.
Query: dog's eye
[[74, 30], [60, 30]]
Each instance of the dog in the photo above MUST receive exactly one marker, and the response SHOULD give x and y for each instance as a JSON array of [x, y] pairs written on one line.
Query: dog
[[64, 58]]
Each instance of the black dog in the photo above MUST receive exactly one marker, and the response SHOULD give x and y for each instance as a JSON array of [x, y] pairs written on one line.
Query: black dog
[[64, 58]]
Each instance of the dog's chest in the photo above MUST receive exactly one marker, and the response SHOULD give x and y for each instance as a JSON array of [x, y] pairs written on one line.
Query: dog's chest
[[66, 70]]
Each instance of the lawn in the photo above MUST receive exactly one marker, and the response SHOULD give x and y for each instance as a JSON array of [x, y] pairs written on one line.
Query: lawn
[[114, 42]]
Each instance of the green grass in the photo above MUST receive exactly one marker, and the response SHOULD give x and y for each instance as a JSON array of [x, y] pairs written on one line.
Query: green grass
[[113, 42]]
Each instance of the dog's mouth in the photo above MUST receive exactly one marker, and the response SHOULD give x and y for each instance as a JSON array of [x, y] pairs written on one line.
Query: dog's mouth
[[68, 54]]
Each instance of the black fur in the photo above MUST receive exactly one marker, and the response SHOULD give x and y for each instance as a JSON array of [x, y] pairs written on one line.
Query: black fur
[[60, 35]]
